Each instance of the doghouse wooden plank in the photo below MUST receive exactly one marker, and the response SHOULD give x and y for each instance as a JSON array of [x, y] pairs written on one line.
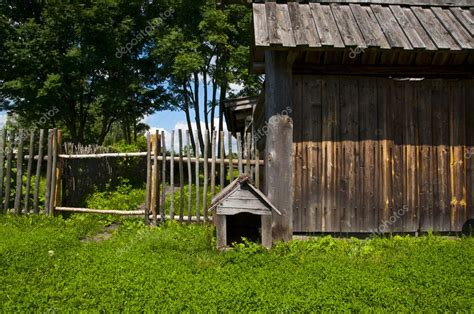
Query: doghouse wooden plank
[[233, 210]]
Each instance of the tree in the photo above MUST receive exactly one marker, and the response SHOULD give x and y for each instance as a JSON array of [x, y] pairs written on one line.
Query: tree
[[205, 46], [66, 54]]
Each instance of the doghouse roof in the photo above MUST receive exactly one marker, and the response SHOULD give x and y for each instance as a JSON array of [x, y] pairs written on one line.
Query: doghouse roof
[[408, 32], [236, 185]]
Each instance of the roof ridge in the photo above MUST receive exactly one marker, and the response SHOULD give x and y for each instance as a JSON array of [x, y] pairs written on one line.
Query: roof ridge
[[451, 3]]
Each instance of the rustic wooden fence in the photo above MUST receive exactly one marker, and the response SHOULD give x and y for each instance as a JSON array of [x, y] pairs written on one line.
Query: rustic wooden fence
[[21, 188], [206, 172]]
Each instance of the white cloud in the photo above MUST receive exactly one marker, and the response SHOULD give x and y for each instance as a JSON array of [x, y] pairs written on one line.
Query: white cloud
[[235, 88], [167, 135], [3, 119]]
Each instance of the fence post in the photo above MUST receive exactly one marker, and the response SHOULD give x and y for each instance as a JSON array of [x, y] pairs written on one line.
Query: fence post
[[28, 172], [55, 192], [172, 177], [157, 173], [48, 173], [38, 173], [196, 169], [3, 138], [206, 173], [148, 179], [190, 175], [58, 172], [19, 173], [222, 163], [181, 176], [9, 172], [239, 153], [257, 169], [231, 159], [213, 163], [155, 183], [163, 177]]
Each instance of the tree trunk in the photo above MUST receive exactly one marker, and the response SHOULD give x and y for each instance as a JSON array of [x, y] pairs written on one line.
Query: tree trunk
[[222, 98], [206, 114], [196, 108], [188, 120], [214, 104], [106, 125]]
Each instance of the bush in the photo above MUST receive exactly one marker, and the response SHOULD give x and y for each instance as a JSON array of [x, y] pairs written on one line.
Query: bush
[[124, 197]]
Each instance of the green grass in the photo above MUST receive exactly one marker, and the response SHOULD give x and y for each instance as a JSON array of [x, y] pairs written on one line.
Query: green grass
[[126, 197], [44, 266]]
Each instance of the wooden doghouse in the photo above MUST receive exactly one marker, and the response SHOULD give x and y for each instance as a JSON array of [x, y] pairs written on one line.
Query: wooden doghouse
[[242, 210]]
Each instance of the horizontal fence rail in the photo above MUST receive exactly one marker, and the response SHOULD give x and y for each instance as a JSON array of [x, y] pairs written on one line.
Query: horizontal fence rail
[[180, 180]]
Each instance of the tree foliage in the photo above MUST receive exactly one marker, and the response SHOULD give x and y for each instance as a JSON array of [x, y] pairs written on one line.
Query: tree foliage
[[205, 50], [106, 64]]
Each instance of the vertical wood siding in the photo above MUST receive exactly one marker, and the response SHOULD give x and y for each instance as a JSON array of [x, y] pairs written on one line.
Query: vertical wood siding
[[379, 155]]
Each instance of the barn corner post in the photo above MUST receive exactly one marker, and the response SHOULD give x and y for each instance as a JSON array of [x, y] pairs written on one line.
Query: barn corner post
[[279, 144]]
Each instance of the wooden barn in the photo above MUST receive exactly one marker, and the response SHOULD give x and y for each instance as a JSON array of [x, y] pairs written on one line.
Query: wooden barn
[[380, 131]]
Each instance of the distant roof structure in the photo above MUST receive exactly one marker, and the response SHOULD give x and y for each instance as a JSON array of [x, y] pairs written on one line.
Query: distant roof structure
[[236, 110], [420, 32]]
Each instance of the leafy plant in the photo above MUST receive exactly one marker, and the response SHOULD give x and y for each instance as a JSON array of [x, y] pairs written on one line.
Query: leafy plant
[[124, 197]]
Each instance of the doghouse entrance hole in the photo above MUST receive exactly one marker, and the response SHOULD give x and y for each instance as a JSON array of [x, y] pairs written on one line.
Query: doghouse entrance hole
[[243, 225]]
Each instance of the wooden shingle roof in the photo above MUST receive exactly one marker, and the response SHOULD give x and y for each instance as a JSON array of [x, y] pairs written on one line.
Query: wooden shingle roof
[[354, 25], [341, 25]]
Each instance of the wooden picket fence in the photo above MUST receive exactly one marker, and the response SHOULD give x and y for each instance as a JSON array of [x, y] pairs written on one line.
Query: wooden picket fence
[[219, 166], [12, 147], [206, 171]]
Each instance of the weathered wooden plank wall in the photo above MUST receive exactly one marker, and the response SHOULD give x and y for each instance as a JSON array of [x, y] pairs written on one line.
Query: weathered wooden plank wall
[[379, 155]]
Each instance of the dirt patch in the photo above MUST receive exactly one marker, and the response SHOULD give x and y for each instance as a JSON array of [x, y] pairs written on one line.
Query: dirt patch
[[104, 235]]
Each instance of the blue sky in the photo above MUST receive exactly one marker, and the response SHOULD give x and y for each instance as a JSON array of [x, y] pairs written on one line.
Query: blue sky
[[174, 120]]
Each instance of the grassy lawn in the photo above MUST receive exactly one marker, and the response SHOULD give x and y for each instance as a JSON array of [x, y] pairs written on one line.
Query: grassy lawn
[[72, 265], [126, 197]]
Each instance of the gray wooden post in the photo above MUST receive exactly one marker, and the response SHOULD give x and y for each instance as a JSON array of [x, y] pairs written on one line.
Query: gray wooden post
[[267, 231], [221, 231], [279, 143]]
